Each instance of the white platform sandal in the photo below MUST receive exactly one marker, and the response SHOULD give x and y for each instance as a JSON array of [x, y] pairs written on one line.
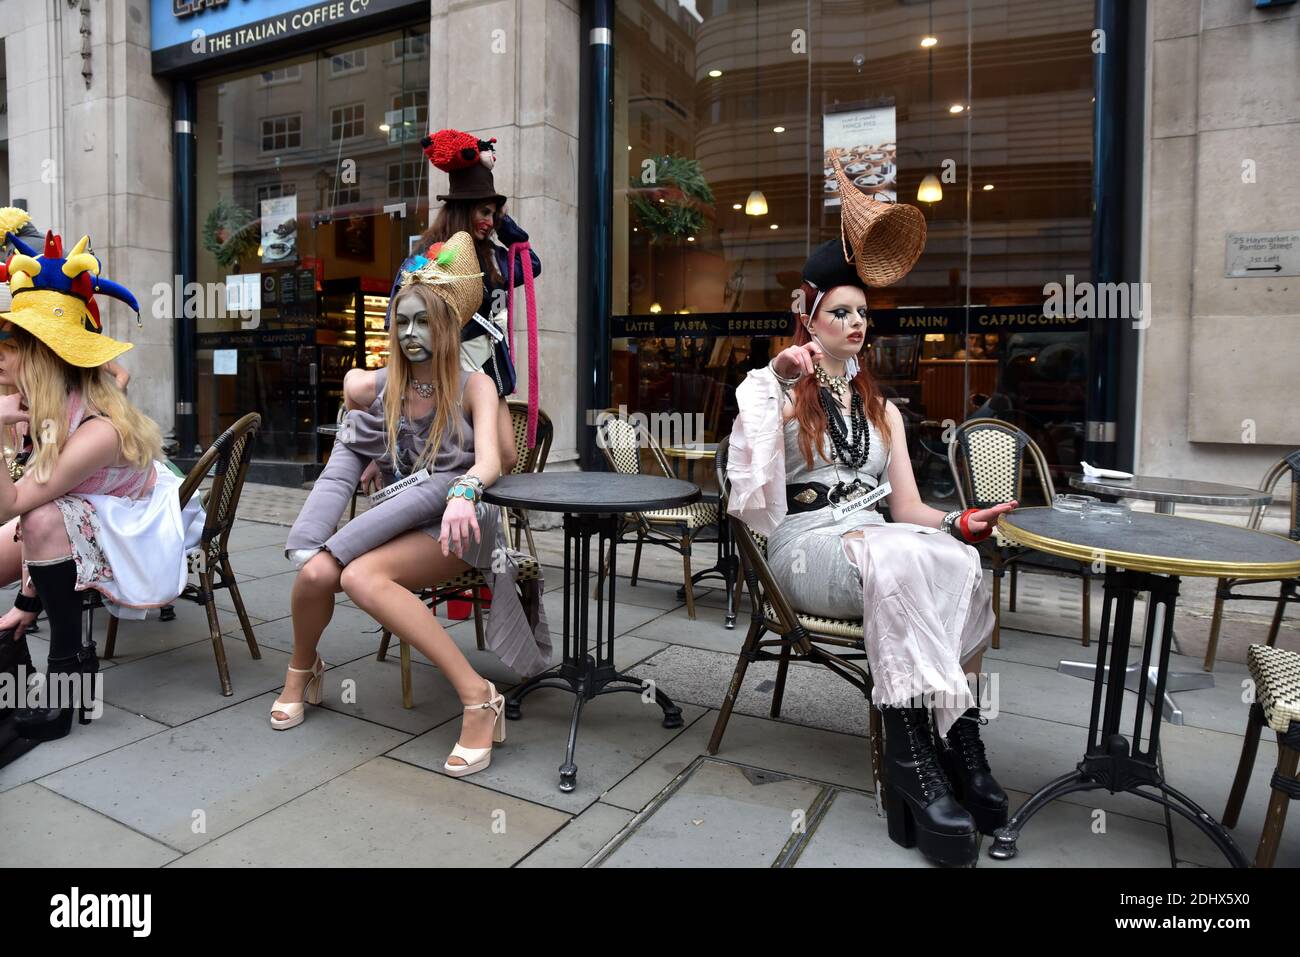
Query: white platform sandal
[[297, 710], [476, 759]]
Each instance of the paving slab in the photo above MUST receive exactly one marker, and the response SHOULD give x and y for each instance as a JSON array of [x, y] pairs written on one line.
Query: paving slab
[[57, 832], [1065, 834], [810, 753], [267, 598], [112, 729], [229, 765], [814, 696], [182, 684], [852, 834], [139, 639], [386, 813], [263, 561], [708, 631], [617, 734], [372, 690], [581, 839], [721, 815], [628, 616], [248, 535]]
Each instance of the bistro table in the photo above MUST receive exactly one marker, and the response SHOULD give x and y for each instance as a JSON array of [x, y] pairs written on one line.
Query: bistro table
[[727, 566], [592, 503], [1165, 493], [1147, 555]]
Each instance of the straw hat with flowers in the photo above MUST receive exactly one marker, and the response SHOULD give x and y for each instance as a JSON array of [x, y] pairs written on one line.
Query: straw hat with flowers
[[882, 240], [54, 299], [451, 269]]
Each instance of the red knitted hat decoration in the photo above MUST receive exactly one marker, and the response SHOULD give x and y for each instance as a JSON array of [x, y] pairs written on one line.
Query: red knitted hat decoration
[[452, 150]]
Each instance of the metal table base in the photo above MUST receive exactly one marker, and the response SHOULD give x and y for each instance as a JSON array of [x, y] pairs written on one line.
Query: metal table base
[[1110, 761], [586, 672]]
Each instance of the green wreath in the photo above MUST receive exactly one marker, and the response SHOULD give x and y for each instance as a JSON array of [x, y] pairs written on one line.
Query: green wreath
[[678, 217], [229, 233]]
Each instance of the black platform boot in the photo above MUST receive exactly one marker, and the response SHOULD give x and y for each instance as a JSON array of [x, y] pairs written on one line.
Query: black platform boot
[[918, 803], [70, 676], [968, 771]]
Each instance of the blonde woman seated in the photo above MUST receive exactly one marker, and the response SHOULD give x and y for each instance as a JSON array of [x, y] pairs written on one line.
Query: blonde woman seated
[[429, 421]]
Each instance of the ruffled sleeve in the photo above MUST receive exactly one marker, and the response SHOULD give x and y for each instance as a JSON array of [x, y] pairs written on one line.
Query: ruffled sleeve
[[756, 455]]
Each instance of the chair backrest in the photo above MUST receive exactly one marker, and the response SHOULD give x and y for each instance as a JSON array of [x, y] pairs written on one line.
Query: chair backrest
[[621, 440], [987, 459], [760, 582], [230, 453], [530, 460], [1286, 466]]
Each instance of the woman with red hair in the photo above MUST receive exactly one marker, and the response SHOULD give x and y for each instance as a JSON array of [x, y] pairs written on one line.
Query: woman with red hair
[[814, 449]]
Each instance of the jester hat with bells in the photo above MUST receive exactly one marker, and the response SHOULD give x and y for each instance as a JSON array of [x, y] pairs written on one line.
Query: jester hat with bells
[[54, 298], [451, 269]]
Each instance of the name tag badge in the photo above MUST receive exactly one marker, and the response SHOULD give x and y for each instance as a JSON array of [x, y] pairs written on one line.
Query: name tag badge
[[846, 509], [388, 491], [491, 328]]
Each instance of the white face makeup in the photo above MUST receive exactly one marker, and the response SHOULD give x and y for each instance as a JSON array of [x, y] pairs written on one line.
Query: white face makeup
[[840, 325], [413, 333]]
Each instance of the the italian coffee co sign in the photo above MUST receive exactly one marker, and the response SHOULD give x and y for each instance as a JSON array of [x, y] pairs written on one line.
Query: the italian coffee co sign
[[204, 35]]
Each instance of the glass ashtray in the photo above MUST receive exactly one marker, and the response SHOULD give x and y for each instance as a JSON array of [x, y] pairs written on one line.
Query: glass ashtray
[[1064, 502], [1111, 513]]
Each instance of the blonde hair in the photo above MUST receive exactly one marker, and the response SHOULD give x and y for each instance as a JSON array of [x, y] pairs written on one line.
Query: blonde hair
[[47, 382], [444, 332]]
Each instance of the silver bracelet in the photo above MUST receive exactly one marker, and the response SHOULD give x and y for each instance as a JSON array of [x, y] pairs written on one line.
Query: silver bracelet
[[949, 520], [785, 383]]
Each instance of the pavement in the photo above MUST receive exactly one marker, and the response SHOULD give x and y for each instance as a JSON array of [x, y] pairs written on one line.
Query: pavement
[[173, 774]]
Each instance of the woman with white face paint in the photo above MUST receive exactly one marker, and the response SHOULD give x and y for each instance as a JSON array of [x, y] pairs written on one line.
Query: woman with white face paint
[[814, 448], [431, 426]]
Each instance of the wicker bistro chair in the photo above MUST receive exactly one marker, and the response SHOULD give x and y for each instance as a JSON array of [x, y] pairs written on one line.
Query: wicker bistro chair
[[677, 528], [527, 461], [987, 459], [228, 458], [834, 643], [1276, 673], [1287, 592]]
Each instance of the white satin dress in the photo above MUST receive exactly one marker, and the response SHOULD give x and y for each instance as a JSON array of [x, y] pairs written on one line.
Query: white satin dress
[[922, 596]]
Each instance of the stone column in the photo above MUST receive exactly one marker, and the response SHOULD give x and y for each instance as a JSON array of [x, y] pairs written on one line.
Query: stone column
[[93, 155], [509, 69]]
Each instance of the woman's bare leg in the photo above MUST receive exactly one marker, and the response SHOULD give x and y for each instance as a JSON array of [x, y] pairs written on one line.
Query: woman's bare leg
[[381, 582], [312, 603]]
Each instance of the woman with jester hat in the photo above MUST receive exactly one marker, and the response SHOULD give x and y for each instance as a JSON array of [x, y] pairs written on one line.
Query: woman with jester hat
[[94, 507], [813, 449], [436, 424]]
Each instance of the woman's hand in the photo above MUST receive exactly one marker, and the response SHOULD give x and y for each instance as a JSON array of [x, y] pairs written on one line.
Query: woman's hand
[[984, 519], [797, 360], [14, 417], [18, 621], [371, 480], [457, 521]]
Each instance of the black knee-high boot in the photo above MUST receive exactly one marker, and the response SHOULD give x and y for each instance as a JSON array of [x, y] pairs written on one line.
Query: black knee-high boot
[[918, 802], [72, 668]]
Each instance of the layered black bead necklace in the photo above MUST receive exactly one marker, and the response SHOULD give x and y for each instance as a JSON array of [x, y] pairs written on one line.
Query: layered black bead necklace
[[852, 453]]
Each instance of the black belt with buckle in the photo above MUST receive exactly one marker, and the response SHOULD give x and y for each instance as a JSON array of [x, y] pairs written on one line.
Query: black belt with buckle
[[806, 497]]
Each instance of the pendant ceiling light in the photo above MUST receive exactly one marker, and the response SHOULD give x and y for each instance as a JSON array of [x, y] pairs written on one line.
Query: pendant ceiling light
[[930, 190], [756, 204]]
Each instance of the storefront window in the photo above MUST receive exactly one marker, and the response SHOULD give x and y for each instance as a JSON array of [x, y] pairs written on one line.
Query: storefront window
[[293, 234], [976, 111]]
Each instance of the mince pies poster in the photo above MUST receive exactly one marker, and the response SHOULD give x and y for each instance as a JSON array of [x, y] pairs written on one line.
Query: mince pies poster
[[865, 143]]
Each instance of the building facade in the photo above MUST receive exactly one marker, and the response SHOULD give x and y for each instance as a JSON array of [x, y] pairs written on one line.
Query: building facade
[[253, 170]]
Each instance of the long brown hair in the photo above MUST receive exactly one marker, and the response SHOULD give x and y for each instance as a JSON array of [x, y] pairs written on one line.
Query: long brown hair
[[457, 216], [444, 331], [808, 408]]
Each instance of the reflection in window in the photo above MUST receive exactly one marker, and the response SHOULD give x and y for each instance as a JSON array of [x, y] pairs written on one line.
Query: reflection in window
[[405, 178], [347, 122], [350, 62], [281, 133], [283, 74]]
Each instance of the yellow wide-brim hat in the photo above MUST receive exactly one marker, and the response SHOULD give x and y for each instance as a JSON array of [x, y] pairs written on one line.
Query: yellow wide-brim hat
[[451, 270], [59, 321]]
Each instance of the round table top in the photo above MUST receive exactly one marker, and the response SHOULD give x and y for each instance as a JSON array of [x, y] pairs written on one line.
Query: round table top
[[1166, 544], [691, 450], [590, 493], [1152, 488]]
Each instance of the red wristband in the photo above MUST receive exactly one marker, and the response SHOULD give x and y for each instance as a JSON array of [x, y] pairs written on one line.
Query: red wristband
[[963, 524]]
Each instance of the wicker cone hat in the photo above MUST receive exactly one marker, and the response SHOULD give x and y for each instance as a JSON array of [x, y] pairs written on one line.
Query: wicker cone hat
[[452, 271], [882, 240]]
